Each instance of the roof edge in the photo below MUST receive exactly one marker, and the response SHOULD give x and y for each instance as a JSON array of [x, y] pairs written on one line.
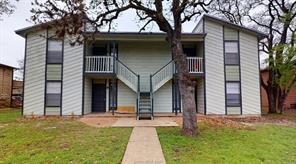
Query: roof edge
[[5, 65], [260, 34]]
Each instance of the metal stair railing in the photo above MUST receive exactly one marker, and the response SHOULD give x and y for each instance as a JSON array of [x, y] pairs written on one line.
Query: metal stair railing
[[138, 98]]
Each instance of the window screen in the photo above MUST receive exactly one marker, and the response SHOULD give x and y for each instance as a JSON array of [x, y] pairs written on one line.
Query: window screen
[[55, 51], [233, 93]]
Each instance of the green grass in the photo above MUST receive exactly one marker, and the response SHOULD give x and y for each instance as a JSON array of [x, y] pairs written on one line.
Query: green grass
[[9, 114], [265, 144], [58, 141]]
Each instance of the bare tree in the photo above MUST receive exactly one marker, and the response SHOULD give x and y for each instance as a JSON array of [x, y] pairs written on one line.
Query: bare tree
[[70, 16], [277, 18], [6, 8]]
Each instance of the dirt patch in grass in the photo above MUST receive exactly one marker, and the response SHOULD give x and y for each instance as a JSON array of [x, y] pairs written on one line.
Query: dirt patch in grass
[[217, 122], [265, 120], [98, 122], [240, 122]]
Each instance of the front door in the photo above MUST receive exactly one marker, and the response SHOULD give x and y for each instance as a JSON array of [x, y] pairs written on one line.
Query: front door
[[98, 98]]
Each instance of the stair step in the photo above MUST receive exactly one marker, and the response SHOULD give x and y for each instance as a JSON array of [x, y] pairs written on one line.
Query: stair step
[[145, 116], [146, 103], [145, 94], [144, 108]]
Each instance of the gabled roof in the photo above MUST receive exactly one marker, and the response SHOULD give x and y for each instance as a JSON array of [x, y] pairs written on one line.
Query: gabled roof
[[260, 34], [23, 31]]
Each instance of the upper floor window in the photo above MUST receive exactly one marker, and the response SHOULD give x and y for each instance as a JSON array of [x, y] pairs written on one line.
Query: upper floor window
[[231, 53], [55, 51]]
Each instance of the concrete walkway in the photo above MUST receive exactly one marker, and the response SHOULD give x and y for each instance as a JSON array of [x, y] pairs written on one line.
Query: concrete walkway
[[143, 147], [157, 122]]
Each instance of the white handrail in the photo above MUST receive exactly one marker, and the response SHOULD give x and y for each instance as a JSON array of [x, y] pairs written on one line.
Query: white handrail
[[127, 76], [195, 64], [162, 76], [99, 64]]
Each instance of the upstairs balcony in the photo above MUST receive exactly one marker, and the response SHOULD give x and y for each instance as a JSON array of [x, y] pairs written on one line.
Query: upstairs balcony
[[99, 64], [109, 65]]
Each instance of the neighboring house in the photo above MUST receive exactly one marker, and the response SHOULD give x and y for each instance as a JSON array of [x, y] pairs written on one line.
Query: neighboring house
[[290, 102], [17, 88], [134, 72], [17, 93], [6, 78]]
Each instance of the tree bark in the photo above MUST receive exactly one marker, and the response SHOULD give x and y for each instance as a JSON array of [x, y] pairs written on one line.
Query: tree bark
[[186, 86], [272, 98], [281, 101]]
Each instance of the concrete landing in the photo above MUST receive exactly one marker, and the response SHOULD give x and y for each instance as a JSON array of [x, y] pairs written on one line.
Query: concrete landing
[[157, 122], [143, 147]]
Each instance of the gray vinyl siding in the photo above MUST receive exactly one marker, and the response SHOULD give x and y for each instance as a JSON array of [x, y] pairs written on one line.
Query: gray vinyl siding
[[233, 110], [163, 98], [249, 74], [54, 72], [87, 95], [232, 73], [214, 63], [144, 58], [72, 79], [135, 56], [200, 96], [230, 34], [199, 27], [52, 111], [126, 96], [199, 47], [35, 74]]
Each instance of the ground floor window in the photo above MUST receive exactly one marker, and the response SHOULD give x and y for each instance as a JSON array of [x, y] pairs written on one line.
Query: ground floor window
[[233, 94], [53, 94]]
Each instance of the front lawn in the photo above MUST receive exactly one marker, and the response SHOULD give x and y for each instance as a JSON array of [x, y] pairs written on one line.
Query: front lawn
[[9, 114], [58, 141], [216, 144]]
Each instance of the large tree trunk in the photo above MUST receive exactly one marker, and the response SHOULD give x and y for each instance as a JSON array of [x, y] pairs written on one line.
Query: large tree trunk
[[282, 99], [272, 98], [272, 92], [186, 86]]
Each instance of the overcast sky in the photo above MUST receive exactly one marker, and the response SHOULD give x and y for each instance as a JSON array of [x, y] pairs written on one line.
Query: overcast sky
[[12, 46]]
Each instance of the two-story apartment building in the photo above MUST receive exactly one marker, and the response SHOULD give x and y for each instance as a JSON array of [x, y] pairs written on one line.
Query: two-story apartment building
[[134, 72]]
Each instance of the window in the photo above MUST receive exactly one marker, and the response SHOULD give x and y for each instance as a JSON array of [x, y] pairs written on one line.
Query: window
[[233, 93], [55, 51], [231, 53], [53, 94]]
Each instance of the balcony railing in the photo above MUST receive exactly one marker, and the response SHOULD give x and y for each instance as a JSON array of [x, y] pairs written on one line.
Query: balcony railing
[[195, 64], [105, 64], [99, 64]]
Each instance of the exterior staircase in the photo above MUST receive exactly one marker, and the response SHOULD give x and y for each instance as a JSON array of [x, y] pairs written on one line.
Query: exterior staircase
[[144, 99], [145, 106], [112, 65]]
